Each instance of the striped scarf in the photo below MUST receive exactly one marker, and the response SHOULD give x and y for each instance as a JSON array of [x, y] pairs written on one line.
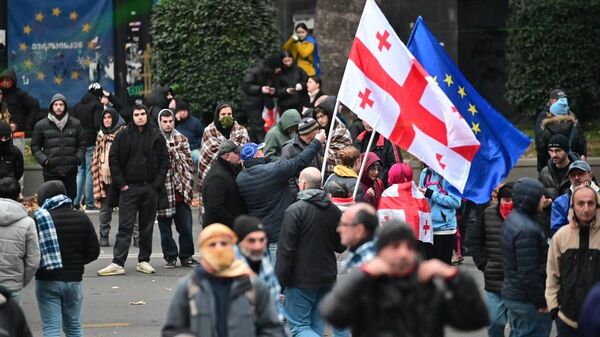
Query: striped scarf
[[49, 247]]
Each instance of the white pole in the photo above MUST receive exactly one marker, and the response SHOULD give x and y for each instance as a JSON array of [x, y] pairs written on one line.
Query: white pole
[[328, 144], [363, 164]]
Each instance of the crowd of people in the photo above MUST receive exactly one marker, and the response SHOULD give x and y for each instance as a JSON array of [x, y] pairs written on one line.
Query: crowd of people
[[293, 238]]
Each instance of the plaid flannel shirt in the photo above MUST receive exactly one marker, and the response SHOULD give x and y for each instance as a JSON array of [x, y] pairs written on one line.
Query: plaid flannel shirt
[[50, 258], [362, 254]]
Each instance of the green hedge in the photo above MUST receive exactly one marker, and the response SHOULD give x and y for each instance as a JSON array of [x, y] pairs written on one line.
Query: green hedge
[[554, 44], [204, 47]]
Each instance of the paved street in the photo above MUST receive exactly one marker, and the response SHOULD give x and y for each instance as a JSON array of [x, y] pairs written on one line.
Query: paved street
[[108, 308]]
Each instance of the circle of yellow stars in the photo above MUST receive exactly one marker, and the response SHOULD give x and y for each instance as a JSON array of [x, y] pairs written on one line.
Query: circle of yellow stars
[[461, 91], [27, 30]]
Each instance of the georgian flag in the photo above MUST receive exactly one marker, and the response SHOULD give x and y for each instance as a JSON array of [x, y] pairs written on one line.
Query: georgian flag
[[387, 87], [406, 203]]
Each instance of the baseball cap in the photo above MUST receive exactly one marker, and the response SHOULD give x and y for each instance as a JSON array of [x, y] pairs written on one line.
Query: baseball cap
[[580, 165], [229, 146], [249, 150]]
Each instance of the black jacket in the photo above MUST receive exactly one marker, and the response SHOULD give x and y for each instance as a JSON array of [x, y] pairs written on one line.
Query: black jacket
[[23, 108], [222, 200], [264, 187], [308, 242], [11, 163], [524, 247], [156, 101], [12, 319], [387, 306], [76, 237], [64, 150], [485, 248], [258, 76], [89, 112], [288, 78]]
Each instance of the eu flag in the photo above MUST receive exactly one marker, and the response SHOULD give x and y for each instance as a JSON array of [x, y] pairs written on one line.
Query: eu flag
[[501, 142]]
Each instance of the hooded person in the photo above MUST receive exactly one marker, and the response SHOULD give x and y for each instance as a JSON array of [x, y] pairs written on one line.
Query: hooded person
[[22, 107], [323, 114], [68, 242], [179, 184], [160, 98], [237, 302], [58, 145], [108, 197], [291, 84], [278, 136], [370, 183], [11, 158], [223, 127]]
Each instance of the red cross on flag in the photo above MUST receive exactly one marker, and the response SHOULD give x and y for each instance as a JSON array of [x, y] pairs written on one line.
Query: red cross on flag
[[406, 203], [387, 87]]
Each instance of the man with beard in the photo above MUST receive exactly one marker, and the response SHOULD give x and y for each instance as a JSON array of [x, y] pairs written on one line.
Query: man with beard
[[222, 200], [58, 145], [573, 268]]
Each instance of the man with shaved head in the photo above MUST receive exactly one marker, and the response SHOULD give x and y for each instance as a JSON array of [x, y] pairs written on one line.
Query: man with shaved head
[[357, 232], [306, 264]]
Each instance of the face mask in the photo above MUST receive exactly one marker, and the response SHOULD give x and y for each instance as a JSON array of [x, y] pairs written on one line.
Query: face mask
[[226, 122], [218, 257], [506, 209]]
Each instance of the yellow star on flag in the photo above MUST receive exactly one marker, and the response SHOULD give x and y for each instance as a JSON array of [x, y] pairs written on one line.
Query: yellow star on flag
[[475, 128], [41, 76], [472, 109], [74, 75], [58, 80], [23, 46], [461, 92], [73, 16], [448, 80], [39, 17], [27, 64], [86, 28], [27, 30], [56, 11]]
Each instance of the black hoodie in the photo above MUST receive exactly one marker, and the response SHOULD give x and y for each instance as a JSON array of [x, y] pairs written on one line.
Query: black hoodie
[[23, 108], [88, 111], [76, 237]]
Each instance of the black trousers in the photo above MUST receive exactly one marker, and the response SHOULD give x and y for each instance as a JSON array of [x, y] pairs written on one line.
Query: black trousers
[[140, 200], [256, 125], [443, 245], [70, 182]]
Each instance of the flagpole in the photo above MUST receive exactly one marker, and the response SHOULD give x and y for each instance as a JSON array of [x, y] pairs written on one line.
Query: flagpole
[[328, 144], [363, 164]]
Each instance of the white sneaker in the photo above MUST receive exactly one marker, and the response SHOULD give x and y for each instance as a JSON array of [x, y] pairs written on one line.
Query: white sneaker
[[145, 267], [111, 269]]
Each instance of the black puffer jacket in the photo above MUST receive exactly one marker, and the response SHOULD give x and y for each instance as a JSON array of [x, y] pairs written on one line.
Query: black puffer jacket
[[552, 187], [23, 108], [258, 76], [63, 150], [11, 162], [76, 237], [308, 242], [524, 247], [288, 78], [393, 306], [89, 112], [485, 248], [264, 187]]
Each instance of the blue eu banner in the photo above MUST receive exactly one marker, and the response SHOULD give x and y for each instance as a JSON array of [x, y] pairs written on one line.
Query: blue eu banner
[[501, 142], [61, 46]]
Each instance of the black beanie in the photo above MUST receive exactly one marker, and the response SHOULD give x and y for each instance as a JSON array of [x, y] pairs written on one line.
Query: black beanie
[[560, 141], [5, 130], [505, 191], [394, 231], [246, 224]]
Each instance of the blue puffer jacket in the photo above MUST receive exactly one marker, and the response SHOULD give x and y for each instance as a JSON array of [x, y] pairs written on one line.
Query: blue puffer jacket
[[443, 205], [264, 187], [560, 212], [524, 247]]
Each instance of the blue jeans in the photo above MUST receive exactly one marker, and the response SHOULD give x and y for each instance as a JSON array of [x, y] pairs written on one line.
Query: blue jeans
[[526, 321], [196, 158], [85, 180], [60, 303], [302, 310], [272, 253], [183, 225], [498, 315]]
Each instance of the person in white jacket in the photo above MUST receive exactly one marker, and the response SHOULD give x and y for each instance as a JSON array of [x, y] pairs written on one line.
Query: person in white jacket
[[19, 248]]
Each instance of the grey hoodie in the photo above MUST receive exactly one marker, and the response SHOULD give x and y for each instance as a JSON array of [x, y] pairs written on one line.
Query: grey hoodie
[[19, 248]]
